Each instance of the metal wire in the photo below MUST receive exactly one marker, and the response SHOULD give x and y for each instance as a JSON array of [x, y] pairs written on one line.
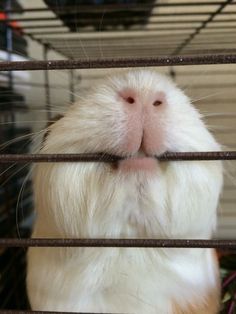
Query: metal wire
[[139, 18], [44, 312], [118, 63], [24, 158], [124, 243]]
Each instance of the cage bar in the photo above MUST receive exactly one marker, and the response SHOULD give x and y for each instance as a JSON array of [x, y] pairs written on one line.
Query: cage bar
[[102, 157], [44, 312], [124, 243], [118, 63]]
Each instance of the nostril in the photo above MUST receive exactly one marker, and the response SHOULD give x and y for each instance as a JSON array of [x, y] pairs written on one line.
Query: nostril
[[129, 100], [128, 95], [157, 103]]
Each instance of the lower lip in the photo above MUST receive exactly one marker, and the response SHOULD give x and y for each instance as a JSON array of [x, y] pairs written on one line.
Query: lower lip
[[138, 164]]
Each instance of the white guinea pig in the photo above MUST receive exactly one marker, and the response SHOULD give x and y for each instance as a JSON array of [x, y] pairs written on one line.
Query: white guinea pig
[[135, 114]]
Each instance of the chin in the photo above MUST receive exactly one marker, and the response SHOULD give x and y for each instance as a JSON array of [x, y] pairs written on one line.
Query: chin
[[138, 164]]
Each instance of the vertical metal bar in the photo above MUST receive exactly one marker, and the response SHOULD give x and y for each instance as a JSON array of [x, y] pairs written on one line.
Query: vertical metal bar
[[72, 86], [9, 115], [9, 46], [9, 41], [47, 85]]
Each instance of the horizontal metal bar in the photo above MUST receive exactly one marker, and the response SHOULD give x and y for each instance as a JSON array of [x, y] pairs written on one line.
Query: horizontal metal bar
[[24, 158], [58, 26], [172, 27], [114, 7], [44, 312], [118, 63], [88, 19], [32, 84], [140, 54], [162, 42], [47, 312], [167, 20], [101, 157], [125, 243], [133, 48], [134, 34]]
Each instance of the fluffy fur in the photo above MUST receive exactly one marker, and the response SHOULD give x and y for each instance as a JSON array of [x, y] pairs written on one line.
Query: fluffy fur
[[96, 200]]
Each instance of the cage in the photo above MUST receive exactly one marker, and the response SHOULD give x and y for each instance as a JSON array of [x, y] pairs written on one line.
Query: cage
[[52, 51]]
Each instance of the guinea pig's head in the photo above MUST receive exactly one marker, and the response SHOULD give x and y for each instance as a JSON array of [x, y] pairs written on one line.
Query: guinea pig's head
[[137, 114]]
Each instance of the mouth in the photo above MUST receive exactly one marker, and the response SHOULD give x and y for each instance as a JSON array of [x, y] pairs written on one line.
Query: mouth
[[138, 162]]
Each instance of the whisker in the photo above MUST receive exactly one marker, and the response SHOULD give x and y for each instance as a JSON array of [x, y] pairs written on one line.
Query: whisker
[[12, 175], [27, 121], [207, 96], [20, 198], [45, 110], [194, 80], [10, 167], [15, 140], [219, 114], [99, 30], [42, 105]]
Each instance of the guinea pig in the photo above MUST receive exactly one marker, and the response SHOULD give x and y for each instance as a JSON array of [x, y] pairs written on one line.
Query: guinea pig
[[136, 114]]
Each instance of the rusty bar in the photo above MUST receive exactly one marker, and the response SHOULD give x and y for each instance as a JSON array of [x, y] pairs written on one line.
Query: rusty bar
[[24, 158], [47, 84], [9, 41], [43, 312], [72, 86], [229, 155], [118, 63], [125, 243], [102, 157]]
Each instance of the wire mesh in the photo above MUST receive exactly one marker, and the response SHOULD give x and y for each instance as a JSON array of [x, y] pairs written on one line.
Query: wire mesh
[[168, 20]]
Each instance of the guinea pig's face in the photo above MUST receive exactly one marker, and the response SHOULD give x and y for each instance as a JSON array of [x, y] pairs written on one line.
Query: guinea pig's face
[[135, 114]]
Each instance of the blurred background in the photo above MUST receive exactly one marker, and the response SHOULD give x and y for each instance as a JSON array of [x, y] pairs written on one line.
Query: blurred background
[[62, 29]]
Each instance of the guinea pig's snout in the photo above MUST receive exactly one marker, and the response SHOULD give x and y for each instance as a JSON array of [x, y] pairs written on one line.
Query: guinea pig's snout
[[143, 127]]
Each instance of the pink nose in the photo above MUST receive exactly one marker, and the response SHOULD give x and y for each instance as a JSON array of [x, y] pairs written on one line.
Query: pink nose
[[143, 122]]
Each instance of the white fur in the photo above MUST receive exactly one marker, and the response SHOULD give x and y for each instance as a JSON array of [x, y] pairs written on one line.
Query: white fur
[[92, 200]]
